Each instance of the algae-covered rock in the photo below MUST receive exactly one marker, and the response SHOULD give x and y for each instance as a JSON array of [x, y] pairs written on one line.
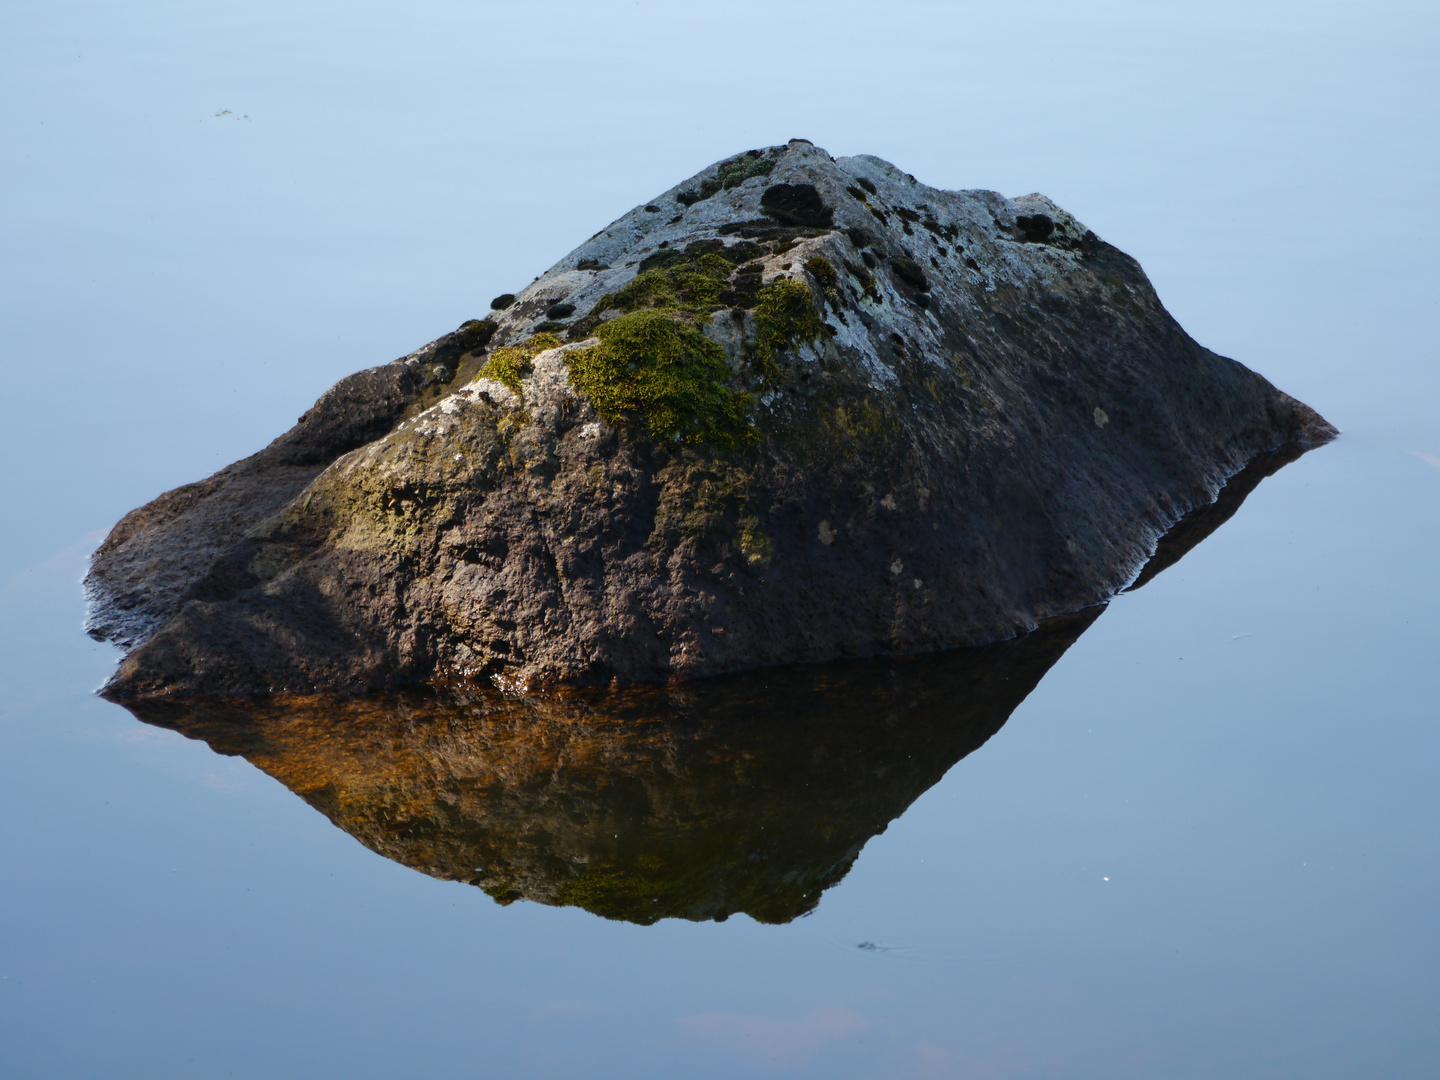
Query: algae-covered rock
[[795, 409]]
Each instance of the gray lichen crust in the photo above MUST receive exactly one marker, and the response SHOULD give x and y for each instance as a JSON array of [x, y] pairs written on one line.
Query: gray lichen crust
[[797, 408]]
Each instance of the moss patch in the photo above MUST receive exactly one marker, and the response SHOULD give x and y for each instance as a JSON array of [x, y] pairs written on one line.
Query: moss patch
[[820, 269], [476, 333], [767, 230], [785, 318], [694, 280], [755, 545], [654, 366], [744, 290], [653, 369], [671, 279], [1034, 228], [731, 174], [509, 364], [704, 498], [866, 279], [859, 237]]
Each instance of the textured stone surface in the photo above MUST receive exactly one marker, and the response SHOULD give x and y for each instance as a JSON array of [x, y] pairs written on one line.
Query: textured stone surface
[[995, 424]]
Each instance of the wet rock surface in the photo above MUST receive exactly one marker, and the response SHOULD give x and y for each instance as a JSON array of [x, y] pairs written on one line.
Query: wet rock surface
[[795, 409]]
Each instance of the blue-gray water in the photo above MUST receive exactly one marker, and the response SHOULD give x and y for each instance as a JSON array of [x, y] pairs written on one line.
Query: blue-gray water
[[1205, 845]]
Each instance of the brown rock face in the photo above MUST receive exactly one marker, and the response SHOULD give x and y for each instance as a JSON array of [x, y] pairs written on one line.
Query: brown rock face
[[795, 409]]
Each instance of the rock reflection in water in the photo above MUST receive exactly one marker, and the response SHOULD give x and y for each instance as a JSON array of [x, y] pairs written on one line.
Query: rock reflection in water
[[750, 793]]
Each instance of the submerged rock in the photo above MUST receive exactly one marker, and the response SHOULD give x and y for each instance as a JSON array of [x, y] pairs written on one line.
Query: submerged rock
[[795, 409]]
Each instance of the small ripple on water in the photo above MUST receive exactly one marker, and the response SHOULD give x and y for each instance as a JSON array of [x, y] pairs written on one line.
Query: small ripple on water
[[929, 954]]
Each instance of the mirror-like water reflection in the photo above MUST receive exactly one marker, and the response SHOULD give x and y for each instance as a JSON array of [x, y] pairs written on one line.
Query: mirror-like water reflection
[[185, 285], [748, 794]]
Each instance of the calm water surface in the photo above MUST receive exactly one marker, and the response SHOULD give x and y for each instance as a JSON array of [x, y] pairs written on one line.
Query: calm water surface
[[1204, 842]]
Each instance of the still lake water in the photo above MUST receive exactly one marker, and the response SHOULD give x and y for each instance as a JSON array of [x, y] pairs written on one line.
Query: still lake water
[[1205, 844]]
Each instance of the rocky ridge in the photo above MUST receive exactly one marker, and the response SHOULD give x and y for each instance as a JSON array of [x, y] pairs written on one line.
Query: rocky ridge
[[797, 408]]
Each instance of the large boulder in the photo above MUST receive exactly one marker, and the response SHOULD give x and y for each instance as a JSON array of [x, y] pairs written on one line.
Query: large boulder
[[797, 408]]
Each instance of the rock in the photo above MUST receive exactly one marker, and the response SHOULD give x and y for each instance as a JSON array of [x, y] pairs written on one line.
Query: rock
[[796, 409], [628, 802], [751, 793]]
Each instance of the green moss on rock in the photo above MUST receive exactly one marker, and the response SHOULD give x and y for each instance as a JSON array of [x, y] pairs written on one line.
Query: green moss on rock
[[705, 498], [652, 369], [864, 277], [475, 334], [785, 318], [736, 171], [509, 364], [820, 269], [755, 544], [691, 280]]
